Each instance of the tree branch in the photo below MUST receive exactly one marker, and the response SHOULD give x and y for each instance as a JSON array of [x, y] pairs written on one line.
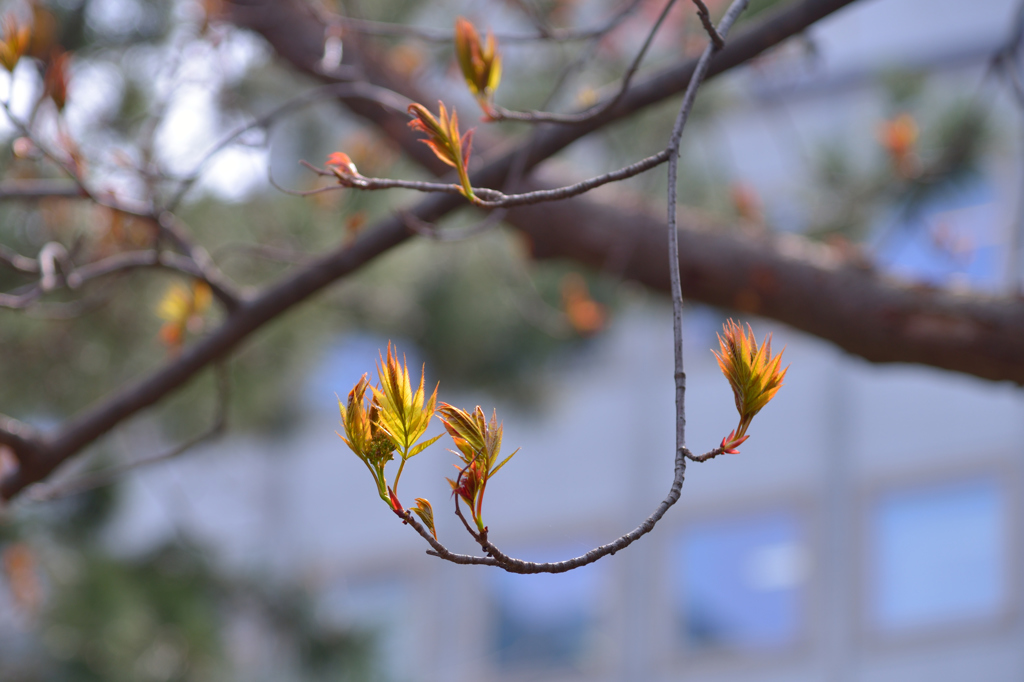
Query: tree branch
[[253, 313], [822, 290], [676, 292], [818, 289], [498, 558], [502, 114], [120, 262], [34, 190], [105, 477], [19, 437]]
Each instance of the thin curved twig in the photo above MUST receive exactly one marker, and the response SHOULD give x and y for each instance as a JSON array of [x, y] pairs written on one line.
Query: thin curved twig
[[502, 114], [223, 289], [121, 262], [540, 196], [497, 199], [501, 560], [382, 96], [689, 97], [36, 189], [18, 262], [496, 557]]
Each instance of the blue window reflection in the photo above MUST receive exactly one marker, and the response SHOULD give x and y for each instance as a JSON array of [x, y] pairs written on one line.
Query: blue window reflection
[[741, 582], [545, 620], [937, 555]]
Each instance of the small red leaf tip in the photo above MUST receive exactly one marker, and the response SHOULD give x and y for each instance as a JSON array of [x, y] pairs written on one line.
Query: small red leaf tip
[[341, 164]]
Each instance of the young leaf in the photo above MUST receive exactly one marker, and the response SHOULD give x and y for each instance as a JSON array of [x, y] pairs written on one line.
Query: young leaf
[[479, 444], [405, 414], [16, 37], [480, 63], [445, 141], [426, 514], [754, 375], [424, 445], [55, 80], [182, 309], [341, 165]]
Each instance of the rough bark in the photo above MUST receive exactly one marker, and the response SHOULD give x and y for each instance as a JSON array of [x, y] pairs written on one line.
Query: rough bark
[[822, 290]]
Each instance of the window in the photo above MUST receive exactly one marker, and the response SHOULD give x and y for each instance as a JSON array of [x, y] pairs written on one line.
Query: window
[[937, 555], [546, 620], [741, 582]]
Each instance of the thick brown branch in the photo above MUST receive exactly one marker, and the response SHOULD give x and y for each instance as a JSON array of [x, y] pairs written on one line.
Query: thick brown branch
[[19, 437], [813, 287], [112, 474]]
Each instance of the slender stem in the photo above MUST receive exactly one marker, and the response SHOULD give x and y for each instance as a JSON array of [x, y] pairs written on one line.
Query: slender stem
[[467, 186], [689, 98], [483, 197], [401, 466], [458, 507], [479, 513], [500, 113], [513, 565], [382, 486]]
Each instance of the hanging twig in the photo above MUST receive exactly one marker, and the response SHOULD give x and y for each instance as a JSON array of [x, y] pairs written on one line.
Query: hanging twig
[[496, 557]]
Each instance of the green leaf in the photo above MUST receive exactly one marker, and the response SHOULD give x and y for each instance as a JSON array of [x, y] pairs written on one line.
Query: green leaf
[[495, 469], [426, 514], [423, 446]]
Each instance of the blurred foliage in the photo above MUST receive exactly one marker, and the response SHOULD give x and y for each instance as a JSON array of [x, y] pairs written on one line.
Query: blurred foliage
[[903, 88], [166, 614], [944, 150], [481, 316], [149, 619]]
